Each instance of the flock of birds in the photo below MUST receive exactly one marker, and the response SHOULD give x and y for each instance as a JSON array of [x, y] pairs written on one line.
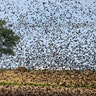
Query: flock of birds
[[54, 34]]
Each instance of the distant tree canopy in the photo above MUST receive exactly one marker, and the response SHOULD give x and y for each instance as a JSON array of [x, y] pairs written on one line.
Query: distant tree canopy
[[8, 39]]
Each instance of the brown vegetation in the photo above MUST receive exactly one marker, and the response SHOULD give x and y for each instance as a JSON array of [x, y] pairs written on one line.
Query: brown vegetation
[[54, 83], [21, 69], [45, 91]]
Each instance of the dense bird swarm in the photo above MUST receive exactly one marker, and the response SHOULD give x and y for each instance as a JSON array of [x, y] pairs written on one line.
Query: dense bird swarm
[[55, 34]]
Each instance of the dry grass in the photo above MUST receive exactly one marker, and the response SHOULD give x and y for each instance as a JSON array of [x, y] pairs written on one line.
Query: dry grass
[[64, 78], [44, 91], [70, 81]]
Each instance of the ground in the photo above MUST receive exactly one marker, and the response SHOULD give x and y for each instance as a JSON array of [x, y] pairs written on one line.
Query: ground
[[48, 83]]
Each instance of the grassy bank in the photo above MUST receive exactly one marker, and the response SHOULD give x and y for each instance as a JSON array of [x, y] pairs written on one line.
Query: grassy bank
[[65, 78], [48, 83]]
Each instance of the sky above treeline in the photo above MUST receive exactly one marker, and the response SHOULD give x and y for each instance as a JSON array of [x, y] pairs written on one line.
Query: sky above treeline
[[31, 19]]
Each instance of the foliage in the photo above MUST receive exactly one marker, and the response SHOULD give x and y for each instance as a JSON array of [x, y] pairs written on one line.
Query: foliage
[[8, 39], [21, 69]]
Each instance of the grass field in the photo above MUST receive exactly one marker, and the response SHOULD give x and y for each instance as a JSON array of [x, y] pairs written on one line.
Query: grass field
[[68, 82]]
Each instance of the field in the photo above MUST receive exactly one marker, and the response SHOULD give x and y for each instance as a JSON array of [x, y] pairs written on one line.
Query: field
[[48, 83]]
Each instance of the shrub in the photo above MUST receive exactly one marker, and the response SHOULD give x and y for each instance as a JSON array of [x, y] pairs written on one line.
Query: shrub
[[21, 69]]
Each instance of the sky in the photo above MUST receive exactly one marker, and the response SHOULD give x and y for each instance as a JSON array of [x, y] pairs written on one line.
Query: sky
[[29, 18]]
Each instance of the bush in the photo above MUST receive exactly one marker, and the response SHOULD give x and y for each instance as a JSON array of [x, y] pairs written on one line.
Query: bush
[[21, 69]]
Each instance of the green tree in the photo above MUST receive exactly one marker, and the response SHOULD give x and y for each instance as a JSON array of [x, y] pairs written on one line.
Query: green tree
[[8, 39]]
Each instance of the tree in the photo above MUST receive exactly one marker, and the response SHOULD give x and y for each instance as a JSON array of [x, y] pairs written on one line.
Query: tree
[[8, 39]]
